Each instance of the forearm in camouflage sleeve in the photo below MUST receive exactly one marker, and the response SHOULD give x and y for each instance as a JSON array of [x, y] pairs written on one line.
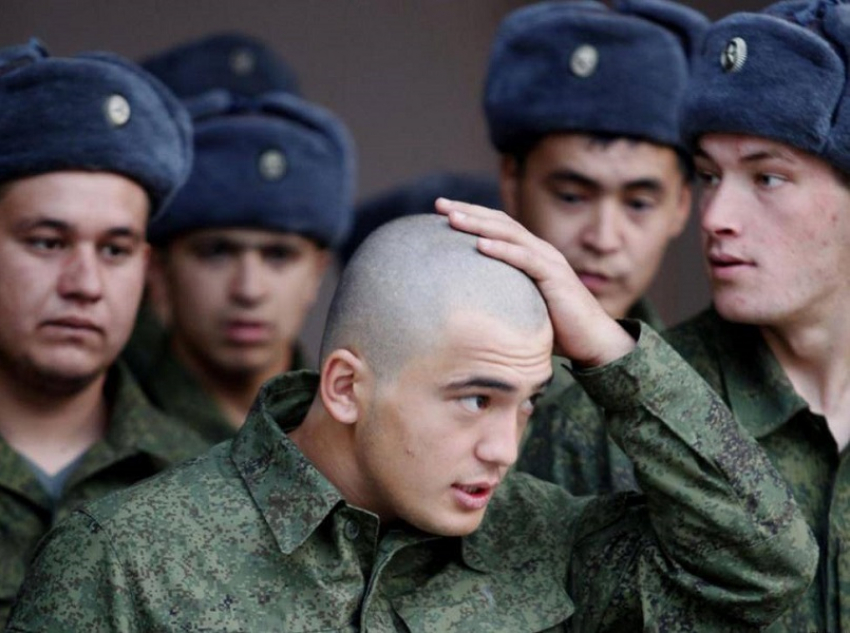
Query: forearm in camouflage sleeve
[[726, 534]]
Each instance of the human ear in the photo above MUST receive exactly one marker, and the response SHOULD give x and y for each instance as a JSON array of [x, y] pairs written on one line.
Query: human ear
[[343, 377], [509, 184]]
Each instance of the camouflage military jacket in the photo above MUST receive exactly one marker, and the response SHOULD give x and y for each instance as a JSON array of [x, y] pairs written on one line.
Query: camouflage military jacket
[[567, 441], [736, 362], [140, 442], [171, 387], [251, 537]]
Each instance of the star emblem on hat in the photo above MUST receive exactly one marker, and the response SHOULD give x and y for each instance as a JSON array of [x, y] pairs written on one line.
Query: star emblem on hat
[[272, 165], [117, 110], [734, 55], [242, 61], [584, 60]]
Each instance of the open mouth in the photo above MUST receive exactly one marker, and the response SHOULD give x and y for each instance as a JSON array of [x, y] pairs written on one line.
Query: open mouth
[[473, 496], [474, 490]]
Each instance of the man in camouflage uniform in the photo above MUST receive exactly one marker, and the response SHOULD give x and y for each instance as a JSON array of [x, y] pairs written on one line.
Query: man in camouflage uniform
[[355, 499], [582, 102], [90, 146], [243, 65], [775, 218], [240, 253]]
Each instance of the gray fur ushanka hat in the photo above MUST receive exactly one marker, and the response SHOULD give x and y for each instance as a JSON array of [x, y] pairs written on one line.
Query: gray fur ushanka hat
[[90, 112], [577, 66], [781, 74], [274, 162], [231, 61]]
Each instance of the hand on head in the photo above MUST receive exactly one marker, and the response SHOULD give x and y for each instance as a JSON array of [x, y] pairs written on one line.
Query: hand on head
[[583, 330]]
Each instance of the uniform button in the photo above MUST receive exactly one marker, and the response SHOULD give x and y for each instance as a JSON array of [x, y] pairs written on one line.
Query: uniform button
[[352, 530]]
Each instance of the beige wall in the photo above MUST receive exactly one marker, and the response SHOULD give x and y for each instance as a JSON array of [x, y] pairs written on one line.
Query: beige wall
[[404, 74]]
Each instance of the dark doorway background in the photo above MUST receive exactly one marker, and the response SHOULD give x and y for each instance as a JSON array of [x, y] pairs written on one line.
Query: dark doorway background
[[405, 75]]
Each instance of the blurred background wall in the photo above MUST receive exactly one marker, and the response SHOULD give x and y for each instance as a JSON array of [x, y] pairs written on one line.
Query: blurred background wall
[[405, 75]]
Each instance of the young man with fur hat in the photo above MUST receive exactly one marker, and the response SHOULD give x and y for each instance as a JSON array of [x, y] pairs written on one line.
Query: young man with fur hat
[[241, 251], [229, 60], [582, 102], [376, 495], [768, 117], [90, 148]]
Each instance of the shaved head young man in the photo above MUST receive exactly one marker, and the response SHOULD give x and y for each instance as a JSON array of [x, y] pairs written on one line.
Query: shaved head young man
[[775, 217], [375, 494], [90, 148], [582, 102]]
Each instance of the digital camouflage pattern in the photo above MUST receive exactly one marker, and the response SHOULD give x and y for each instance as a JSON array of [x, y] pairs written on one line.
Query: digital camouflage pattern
[[567, 441], [739, 365], [251, 537], [140, 442], [172, 387]]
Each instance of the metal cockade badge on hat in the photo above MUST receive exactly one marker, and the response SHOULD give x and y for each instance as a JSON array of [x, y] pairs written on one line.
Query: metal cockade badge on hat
[[117, 110], [584, 60], [734, 55], [272, 165], [242, 61]]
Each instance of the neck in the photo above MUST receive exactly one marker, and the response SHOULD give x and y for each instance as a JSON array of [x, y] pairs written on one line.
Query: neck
[[51, 430], [816, 358], [234, 391], [329, 445]]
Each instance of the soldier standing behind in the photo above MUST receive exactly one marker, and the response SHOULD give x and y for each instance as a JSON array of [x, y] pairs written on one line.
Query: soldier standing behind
[[241, 251], [583, 104], [768, 117], [90, 147]]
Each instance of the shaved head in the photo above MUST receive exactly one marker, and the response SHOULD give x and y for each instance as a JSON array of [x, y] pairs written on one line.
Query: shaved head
[[404, 282]]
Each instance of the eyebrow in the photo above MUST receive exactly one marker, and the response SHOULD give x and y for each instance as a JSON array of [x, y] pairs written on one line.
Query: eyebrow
[[42, 223], [483, 382], [757, 156], [65, 227], [569, 176], [123, 231], [767, 155]]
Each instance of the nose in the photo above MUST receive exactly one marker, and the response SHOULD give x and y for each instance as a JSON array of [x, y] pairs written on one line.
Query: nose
[[719, 209], [81, 277], [602, 233], [248, 285], [500, 445]]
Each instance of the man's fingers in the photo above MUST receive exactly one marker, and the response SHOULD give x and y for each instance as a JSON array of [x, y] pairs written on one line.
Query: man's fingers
[[495, 225], [517, 256], [478, 220]]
